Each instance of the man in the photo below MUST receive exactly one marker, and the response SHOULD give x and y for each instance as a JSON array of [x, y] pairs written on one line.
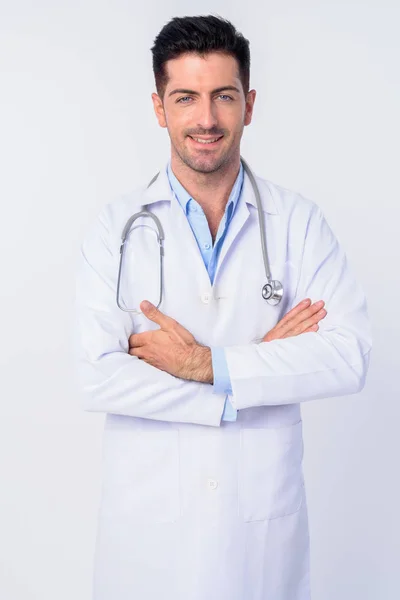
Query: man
[[203, 492]]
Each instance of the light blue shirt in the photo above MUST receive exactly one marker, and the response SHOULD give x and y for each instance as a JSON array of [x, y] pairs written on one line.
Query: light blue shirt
[[210, 253]]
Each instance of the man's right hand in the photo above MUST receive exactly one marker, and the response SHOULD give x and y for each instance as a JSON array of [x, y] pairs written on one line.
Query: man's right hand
[[302, 318]]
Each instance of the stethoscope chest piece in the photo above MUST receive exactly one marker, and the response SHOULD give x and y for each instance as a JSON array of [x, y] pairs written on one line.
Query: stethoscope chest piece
[[272, 292]]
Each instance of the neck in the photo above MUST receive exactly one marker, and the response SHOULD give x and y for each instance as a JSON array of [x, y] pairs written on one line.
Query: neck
[[210, 190]]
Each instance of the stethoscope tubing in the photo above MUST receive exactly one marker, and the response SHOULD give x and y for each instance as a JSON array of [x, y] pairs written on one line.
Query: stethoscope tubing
[[272, 291]]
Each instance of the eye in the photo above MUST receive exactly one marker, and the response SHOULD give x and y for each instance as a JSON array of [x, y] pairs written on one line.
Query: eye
[[225, 96], [183, 98]]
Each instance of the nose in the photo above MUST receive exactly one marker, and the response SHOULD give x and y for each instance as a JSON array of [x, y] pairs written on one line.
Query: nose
[[206, 117]]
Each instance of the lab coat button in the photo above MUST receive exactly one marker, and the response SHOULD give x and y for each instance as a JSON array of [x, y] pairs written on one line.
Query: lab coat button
[[205, 298], [212, 484]]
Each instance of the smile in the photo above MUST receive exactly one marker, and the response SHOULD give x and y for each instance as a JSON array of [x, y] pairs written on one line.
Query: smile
[[209, 142]]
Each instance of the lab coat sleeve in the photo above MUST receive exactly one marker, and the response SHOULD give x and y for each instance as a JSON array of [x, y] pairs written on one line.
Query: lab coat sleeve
[[108, 378], [330, 362]]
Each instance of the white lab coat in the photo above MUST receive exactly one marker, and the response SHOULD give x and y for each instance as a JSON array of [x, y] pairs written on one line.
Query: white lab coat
[[192, 507]]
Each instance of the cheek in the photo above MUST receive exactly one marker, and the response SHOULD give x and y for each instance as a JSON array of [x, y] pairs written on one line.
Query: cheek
[[236, 131], [175, 122], [233, 122], [181, 126]]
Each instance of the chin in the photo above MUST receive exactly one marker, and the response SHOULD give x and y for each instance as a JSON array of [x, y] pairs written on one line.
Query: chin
[[203, 164]]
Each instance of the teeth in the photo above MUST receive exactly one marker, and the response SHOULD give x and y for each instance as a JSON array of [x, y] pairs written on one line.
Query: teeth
[[205, 141]]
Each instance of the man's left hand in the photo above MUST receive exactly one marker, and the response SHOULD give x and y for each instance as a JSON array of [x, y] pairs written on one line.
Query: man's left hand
[[172, 348]]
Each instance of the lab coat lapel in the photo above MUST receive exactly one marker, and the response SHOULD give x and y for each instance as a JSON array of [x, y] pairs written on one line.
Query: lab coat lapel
[[179, 228]]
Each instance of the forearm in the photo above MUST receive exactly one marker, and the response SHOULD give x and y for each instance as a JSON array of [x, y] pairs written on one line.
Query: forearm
[[297, 369], [199, 365], [110, 380], [331, 362], [203, 368]]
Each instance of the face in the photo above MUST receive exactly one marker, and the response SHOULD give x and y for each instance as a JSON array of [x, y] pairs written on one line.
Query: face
[[204, 99]]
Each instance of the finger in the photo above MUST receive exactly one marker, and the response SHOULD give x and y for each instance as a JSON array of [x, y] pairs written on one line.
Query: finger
[[138, 339], [155, 315], [286, 326], [301, 317], [312, 328], [138, 352], [294, 311], [304, 325], [314, 320]]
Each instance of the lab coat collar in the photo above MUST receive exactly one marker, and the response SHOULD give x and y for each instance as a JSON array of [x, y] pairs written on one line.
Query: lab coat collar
[[161, 190]]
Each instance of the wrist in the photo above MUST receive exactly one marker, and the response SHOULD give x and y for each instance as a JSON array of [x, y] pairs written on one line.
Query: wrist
[[200, 365]]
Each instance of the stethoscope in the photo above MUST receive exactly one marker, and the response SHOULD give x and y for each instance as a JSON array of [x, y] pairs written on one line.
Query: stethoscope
[[272, 291]]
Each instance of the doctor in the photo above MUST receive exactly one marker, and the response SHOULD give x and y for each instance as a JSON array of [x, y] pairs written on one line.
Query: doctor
[[203, 492]]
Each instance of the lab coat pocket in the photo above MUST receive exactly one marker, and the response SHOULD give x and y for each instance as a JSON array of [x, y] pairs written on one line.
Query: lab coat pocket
[[142, 475], [270, 472]]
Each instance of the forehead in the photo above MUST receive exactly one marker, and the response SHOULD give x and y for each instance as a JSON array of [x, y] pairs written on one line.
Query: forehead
[[193, 70]]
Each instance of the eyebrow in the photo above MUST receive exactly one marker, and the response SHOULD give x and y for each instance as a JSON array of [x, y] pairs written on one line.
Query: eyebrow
[[216, 91]]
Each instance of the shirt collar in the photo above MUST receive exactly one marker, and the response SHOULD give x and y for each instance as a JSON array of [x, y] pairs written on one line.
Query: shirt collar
[[184, 197], [161, 191]]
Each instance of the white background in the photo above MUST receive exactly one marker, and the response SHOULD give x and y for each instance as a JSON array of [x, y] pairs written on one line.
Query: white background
[[77, 129]]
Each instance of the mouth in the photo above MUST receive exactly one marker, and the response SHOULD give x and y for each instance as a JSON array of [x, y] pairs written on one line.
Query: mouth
[[203, 142]]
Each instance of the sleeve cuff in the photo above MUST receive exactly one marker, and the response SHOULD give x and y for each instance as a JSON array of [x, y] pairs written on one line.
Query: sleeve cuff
[[222, 380], [230, 413]]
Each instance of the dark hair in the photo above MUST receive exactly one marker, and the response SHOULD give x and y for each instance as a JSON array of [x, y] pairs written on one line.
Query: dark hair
[[200, 35]]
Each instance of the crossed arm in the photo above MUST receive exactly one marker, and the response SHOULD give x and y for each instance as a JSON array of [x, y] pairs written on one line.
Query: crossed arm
[[173, 349], [165, 374]]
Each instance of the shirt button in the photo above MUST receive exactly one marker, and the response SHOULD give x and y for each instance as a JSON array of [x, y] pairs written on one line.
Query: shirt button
[[205, 298], [207, 246], [212, 484]]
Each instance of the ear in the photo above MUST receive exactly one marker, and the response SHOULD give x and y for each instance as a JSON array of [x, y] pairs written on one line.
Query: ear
[[159, 110], [250, 99]]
